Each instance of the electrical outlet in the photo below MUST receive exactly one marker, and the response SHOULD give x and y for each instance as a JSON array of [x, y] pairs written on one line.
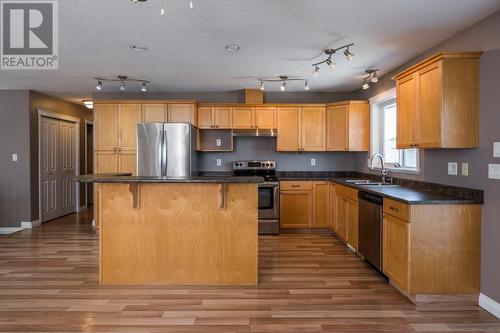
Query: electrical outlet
[[453, 168], [218, 142], [494, 171], [465, 169], [313, 162], [496, 149], [14, 157], [219, 162]]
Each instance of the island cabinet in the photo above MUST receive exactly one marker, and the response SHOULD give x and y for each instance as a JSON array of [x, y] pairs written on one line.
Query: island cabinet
[[115, 137], [304, 204], [171, 113], [301, 128], [432, 249], [438, 102], [346, 219], [348, 126]]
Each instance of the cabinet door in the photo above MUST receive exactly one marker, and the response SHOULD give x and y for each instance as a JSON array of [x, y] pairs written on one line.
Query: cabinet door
[[430, 105], [182, 113], [341, 217], [127, 162], [332, 207], [205, 117], [154, 113], [295, 209], [352, 223], [266, 117], [129, 115], [288, 129], [243, 117], [396, 250], [337, 118], [105, 162], [313, 128], [320, 205], [106, 126], [358, 127], [223, 117], [407, 117]]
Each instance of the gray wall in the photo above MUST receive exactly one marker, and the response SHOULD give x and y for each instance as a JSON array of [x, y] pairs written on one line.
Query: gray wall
[[263, 148], [482, 36], [14, 176]]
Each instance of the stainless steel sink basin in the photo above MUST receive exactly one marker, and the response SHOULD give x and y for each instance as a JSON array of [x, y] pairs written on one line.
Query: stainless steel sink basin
[[375, 184], [358, 181]]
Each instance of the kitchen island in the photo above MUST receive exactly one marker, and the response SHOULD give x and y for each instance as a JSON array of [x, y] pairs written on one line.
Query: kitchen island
[[189, 231]]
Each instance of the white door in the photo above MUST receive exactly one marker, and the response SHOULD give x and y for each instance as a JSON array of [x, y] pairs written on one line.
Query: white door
[[58, 163]]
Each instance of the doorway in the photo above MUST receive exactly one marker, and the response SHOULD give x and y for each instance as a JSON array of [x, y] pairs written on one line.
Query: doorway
[[58, 160]]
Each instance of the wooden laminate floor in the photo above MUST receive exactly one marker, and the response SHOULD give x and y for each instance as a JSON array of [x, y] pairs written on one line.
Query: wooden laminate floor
[[308, 283]]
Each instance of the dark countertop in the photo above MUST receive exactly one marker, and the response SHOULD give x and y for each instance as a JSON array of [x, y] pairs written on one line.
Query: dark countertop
[[410, 195], [127, 178]]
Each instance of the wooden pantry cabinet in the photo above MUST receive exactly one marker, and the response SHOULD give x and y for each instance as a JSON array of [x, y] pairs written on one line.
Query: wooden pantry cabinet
[[304, 204], [301, 128], [438, 102], [348, 126], [432, 249], [346, 210]]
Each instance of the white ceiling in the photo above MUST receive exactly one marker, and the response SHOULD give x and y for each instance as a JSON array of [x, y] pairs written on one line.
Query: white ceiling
[[276, 37]]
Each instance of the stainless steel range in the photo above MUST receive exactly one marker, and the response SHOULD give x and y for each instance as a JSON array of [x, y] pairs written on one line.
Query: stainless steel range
[[269, 193]]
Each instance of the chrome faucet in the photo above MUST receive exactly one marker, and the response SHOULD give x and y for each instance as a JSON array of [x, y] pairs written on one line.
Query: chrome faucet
[[383, 171]]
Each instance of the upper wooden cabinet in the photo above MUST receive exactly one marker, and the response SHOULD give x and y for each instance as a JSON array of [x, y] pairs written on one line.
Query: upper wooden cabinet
[[154, 113], [214, 117], [172, 113], [265, 117], [243, 117], [129, 115], [348, 126], [301, 128], [438, 102], [116, 126]]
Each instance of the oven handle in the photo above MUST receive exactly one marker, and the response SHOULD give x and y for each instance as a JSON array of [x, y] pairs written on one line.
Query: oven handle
[[276, 201]]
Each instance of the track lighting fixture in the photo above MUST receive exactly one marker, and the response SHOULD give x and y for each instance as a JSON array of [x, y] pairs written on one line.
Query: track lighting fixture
[[371, 76], [124, 80], [284, 82], [329, 61]]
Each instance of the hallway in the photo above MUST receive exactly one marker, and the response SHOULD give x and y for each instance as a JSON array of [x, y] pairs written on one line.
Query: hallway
[[308, 283]]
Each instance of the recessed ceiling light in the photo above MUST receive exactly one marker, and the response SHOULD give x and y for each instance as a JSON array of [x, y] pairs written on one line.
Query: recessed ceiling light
[[232, 48], [139, 48]]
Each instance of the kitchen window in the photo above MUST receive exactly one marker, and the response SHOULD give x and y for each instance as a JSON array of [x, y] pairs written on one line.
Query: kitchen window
[[384, 134]]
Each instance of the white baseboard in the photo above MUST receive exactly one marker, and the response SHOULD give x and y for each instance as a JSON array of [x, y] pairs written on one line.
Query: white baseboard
[[9, 230], [31, 225], [489, 305]]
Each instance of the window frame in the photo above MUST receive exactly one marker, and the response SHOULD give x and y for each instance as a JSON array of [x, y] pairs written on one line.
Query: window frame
[[377, 137]]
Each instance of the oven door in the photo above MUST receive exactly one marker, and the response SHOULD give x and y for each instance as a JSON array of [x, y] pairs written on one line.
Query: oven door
[[269, 201]]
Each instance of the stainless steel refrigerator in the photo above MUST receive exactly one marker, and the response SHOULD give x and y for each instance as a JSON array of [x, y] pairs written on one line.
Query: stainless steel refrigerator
[[166, 150]]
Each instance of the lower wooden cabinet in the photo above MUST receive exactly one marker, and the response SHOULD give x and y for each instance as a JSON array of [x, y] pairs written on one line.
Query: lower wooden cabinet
[[352, 223], [346, 209], [304, 204], [396, 248], [332, 202], [117, 161], [341, 223]]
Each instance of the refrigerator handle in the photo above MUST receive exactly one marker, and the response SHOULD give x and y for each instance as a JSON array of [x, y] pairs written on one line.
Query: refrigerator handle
[[164, 157]]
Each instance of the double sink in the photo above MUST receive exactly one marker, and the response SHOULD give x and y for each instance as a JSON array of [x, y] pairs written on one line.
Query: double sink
[[369, 183]]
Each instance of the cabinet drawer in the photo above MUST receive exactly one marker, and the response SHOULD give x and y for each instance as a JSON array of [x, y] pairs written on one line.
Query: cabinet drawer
[[347, 192], [296, 186], [397, 209]]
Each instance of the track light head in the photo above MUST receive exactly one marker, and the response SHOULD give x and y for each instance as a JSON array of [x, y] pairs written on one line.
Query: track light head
[[374, 78], [144, 87], [123, 86], [261, 86], [283, 86], [306, 86], [316, 71], [191, 6], [99, 85], [348, 54], [331, 64], [365, 84]]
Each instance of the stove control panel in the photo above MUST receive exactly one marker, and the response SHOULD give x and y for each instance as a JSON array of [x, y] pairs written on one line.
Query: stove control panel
[[254, 165]]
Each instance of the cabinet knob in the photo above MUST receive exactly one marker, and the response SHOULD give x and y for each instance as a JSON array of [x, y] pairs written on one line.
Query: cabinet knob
[[394, 209]]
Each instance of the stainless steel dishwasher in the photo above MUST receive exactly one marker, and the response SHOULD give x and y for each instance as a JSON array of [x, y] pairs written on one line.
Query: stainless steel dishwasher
[[370, 210]]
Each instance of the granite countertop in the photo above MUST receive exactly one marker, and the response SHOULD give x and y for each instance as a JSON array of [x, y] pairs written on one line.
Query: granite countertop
[[412, 196], [127, 178]]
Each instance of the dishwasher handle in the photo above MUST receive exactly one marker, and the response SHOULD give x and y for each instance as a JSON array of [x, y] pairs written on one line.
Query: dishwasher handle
[[373, 198]]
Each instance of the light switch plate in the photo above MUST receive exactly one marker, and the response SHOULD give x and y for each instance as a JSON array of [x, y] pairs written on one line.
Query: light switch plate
[[496, 149], [453, 168], [494, 171], [218, 142], [14, 157], [465, 169], [313, 162], [219, 162]]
